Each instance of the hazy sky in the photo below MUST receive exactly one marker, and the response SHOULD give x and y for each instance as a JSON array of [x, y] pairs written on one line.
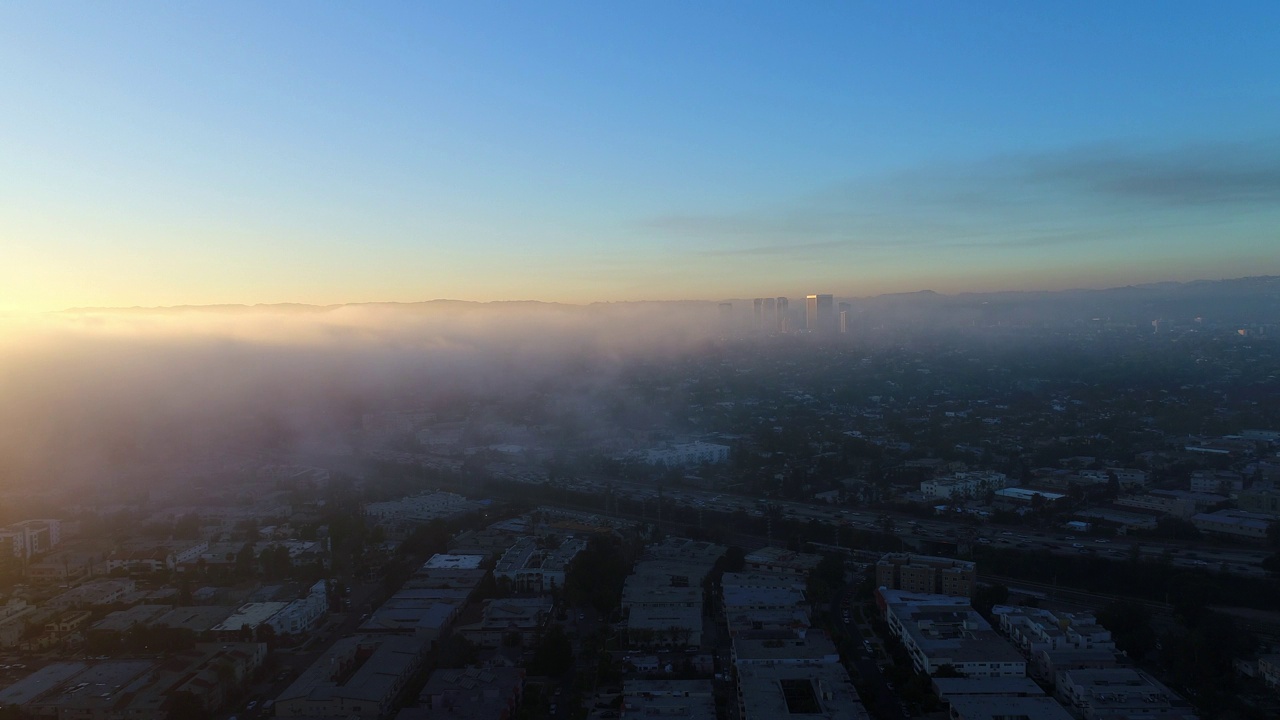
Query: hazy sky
[[178, 153]]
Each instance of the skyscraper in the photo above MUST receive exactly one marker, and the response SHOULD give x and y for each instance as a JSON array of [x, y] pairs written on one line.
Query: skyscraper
[[726, 318], [758, 318], [770, 315], [820, 314], [782, 315]]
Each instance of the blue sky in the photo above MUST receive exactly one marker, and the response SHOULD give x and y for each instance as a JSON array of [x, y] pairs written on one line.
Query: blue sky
[[163, 154]]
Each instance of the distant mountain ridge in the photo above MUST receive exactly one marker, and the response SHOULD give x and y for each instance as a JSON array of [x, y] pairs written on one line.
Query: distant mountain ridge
[[1254, 299]]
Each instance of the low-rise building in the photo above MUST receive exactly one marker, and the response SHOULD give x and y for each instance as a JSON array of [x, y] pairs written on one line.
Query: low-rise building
[[504, 618], [1125, 519], [1264, 500], [1178, 503], [781, 560], [63, 567], [1048, 665], [1236, 524], [1119, 694], [973, 484], [122, 621], [691, 699], [753, 591], [424, 613], [694, 453], [783, 691], [1269, 670], [978, 707], [358, 677], [1036, 631], [943, 630], [1129, 479], [650, 626], [305, 613], [135, 688], [795, 620], [471, 694], [1220, 482], [948, 689], [926, 574], [248, 617], [14, 616], [27, 539], [198, 619], [1020, 496], [420, 509], [446, 561], [529, 568], [783, 647]]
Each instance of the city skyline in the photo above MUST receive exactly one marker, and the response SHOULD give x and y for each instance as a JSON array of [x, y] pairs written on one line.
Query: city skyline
[[573, 153]]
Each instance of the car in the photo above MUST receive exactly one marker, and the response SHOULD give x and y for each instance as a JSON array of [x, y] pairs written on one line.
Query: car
[[1076, 545], [1104, 541], [609, 714]]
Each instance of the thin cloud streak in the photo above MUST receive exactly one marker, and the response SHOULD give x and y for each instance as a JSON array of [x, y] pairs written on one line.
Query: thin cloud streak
[[1078, 195]]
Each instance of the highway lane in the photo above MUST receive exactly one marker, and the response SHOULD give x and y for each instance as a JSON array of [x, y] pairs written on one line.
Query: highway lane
[[1237, 559]]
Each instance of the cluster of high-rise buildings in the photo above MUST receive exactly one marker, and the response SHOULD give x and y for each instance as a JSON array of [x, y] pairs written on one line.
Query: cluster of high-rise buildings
[[820, 314]]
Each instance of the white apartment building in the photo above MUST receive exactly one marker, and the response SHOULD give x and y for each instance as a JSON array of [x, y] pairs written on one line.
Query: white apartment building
[[1120, 694], [694, 453], [304, 613], [30, 537], [964, 484], [1233, 523], [940, 630], [1036, 631]]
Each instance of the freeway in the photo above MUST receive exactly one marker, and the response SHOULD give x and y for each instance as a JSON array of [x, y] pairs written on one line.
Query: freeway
[[910, 528]]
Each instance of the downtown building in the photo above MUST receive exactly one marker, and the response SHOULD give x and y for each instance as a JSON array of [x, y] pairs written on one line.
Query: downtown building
[[820, 314]]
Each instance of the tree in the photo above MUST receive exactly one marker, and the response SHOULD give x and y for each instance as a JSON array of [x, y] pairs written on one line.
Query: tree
[[1272, 562], [187, 527], [1190, 597], [553, 655], [184, 705], [735, 559], [456, 651], [266, 633], [986, 597], [1130, 625], [244, 561], [886, 524]]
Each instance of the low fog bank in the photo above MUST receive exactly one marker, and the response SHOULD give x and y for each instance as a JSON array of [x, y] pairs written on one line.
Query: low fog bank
[[87, 393]]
